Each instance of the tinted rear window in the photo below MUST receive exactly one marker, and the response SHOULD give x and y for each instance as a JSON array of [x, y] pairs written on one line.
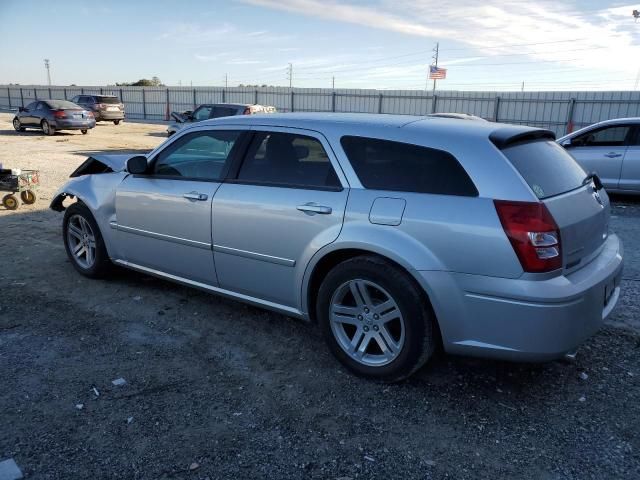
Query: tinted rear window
[[546, 167], [61, 105], [107, 100], [403, 167]]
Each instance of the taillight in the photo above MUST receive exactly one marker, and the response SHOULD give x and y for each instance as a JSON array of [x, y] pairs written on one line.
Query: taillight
[[59, 114], [247, 111], [533, 233]]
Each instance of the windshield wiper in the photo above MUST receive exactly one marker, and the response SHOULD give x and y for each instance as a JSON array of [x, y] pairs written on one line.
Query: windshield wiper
[[593, 177]]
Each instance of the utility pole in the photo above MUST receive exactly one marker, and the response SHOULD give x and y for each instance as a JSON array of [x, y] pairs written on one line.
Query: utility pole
[[436, 51], [333, 82], [290, 75], [522, 89], [46, 65], [226, 80]]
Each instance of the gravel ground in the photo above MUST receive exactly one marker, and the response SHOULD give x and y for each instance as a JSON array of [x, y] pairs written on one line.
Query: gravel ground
[[217, 389]]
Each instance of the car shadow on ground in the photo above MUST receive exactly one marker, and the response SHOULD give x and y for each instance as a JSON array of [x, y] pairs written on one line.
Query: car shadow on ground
[[158, 134], [37, 133]]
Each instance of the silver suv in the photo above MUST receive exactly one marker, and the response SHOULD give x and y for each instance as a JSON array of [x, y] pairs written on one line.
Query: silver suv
[[395, 234]]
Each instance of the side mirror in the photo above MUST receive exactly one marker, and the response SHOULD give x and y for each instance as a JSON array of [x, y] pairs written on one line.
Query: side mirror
[[137, 165], [567, 143]]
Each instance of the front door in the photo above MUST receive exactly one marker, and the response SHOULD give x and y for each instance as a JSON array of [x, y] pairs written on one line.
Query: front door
[[284, 203], [163, 218], [602, 151]]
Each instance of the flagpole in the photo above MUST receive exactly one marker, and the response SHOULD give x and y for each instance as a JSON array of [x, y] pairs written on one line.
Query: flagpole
[[436, 65]]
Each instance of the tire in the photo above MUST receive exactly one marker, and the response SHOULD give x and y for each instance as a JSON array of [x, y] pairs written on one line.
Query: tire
[[10, 202], [395, 348], [28, 197], [84, 131], [116, 122], [17, 125], [47, 129], [81, 233]]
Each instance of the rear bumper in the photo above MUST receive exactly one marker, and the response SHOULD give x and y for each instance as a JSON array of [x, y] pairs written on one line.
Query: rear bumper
[[104, 115], [525, 320], [74, 124]]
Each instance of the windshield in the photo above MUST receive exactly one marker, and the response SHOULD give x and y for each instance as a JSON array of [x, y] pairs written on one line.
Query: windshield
[[62, 105], [546, 167]]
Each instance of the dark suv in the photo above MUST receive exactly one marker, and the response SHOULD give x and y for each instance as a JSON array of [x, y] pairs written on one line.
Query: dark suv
[[104, 107]]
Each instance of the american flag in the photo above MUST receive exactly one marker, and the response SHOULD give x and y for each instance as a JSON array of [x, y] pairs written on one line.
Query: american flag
[[437, 73]]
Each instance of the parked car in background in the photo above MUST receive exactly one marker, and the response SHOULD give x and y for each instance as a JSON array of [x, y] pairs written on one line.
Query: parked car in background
[[216, 110], [53, 115], [612, 150], [106, 108], [395, 233]]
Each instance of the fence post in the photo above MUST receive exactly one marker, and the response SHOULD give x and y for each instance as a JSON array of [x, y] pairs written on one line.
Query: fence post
[[292, 95], [21, 98], [65, 92], [9, 96], [256, 97], [379, 103], [224, 95], [35, 94], [496, 108], [101, 91], [333, 101], [81, 90], [49, 92], [434, 103], [572, 105], [121, 98], [144, 105], [166, 114], [194, 98]]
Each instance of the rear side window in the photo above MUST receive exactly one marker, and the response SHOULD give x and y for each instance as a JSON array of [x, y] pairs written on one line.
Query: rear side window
[[546, 167], [223, 112], [285, 159], [403, 167], [109, 99]]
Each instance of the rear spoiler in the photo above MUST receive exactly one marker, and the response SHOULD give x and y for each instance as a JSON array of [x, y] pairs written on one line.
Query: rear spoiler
[[507, 136]]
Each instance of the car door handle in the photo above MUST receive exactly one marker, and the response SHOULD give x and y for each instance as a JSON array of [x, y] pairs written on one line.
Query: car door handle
[[313, 208], [612, 155], [195, 196]]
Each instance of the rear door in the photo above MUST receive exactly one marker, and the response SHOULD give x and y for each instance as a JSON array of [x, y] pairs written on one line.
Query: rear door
[[581, 212], [284, 203], [630, 174], [602, 150]]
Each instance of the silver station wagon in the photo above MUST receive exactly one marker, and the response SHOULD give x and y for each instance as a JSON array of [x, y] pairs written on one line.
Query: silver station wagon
[[395, 234]]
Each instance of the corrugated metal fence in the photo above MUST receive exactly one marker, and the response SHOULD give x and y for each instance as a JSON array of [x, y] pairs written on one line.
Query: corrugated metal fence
[[557, 111]]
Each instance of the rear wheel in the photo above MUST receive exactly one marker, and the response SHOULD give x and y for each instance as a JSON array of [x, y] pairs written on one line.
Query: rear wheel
[[84, 131], [17, 125], [84, 243], [116, 122], [375, 319], [47, 129], [28, 197], [10, 202]]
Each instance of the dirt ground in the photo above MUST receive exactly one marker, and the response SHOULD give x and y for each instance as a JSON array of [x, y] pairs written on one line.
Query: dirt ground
[[216, 389]]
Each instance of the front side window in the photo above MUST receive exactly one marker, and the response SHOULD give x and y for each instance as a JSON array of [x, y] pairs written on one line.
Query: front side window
[[31, 106], [200, 155], [41, 106], [404, 167], [202, 114], [286, 159], [604, 137]]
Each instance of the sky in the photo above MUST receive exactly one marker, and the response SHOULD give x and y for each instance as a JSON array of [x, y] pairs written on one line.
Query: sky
[[385, 44]]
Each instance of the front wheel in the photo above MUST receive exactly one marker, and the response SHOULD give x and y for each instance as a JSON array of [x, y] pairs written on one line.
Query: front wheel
[[375, 319], [84, 243], [116, 122], [84, 131], [47, 129], [17, 125]]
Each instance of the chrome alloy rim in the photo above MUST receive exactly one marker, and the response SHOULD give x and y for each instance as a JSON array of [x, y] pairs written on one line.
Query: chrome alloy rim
[[367, 322], [81, 241]]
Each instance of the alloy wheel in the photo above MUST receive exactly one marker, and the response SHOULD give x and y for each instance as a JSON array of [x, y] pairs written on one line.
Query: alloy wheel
[[81, 241], [367, 322]]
